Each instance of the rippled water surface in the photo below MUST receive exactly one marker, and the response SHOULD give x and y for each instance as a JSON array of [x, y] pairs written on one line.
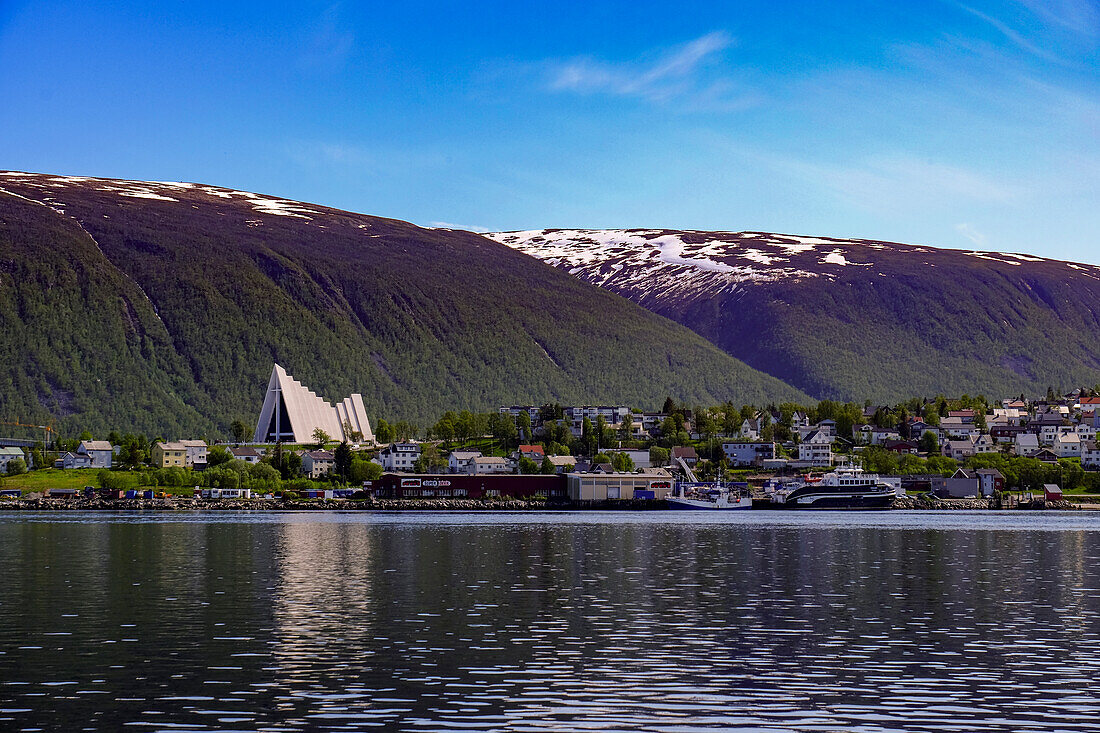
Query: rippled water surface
[[899, 621]]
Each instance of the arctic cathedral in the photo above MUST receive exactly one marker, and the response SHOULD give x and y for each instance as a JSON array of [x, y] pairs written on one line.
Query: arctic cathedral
[[291, 413]]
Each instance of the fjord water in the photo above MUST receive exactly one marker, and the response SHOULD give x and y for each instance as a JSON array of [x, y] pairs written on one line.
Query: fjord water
[[558, 621]]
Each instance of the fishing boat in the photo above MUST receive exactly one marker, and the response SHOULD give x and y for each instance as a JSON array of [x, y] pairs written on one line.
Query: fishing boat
[[711, 496]]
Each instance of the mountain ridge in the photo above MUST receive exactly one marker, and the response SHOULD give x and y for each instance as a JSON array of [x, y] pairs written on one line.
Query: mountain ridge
[[827, 314], [197, 289]]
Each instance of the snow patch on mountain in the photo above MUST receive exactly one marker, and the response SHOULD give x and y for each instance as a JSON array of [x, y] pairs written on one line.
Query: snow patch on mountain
[[168, 191]]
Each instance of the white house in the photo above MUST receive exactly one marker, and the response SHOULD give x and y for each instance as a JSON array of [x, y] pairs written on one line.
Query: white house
[[69, 459], [754, 453], [816, 449], [196, 452], [399, 456], [489, 464], [459, 461], [956, 428], [984, 444], [99, 452], [1067, 445], [1027, 444], [750, 429], [7, 455], [246, 454], [563, 464]]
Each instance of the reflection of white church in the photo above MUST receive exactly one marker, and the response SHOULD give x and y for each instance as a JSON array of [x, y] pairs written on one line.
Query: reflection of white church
[[291, 413]]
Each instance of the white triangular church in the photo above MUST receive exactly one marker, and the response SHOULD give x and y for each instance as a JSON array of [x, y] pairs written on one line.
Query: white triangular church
[[291, 413]]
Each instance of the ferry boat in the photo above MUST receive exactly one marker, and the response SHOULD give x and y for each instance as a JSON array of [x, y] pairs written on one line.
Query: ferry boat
[[710, 496], [844, 488]]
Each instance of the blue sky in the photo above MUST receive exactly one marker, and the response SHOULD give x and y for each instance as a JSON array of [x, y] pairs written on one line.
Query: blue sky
[[972, 125]]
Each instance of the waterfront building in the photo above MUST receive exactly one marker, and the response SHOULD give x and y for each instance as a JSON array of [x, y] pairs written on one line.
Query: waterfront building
[[459, 461], [7, 455], [399, 456], [654, 483], [100, 453], [748, 453], [196, 452], [468, 486], [317, 463], [169, 455], [816, 449], [292, 413]]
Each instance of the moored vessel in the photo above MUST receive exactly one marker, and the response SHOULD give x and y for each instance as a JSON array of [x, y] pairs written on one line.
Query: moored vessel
[[710, 496], [844, 488]]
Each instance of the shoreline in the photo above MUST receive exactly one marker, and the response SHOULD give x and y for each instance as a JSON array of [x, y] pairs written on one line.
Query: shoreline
[[475, 505]]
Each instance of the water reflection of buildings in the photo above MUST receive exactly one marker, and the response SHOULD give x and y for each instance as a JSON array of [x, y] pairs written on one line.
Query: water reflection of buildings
[[322, 589]]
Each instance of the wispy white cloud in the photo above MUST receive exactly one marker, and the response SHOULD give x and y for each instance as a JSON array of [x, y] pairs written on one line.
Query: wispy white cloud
[[687, 74], [900, 182], [967, 230], [1013, 35], [1081, 17]]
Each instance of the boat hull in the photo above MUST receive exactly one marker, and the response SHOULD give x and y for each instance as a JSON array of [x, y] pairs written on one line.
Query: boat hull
[[675, 502], [839, 500]]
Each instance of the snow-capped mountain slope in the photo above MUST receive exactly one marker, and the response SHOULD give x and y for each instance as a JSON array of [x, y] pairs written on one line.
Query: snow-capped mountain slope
[[659, 264], [852, 318]]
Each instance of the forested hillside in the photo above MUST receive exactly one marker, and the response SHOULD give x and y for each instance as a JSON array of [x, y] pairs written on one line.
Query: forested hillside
[[161, 307]]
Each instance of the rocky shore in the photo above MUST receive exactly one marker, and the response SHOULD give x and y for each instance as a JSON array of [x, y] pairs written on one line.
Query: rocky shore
[[923, 502]]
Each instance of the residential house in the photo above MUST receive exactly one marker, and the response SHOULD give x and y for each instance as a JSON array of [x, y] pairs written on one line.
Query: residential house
[[196, 452], [825, 427], [685, 452], [318, 463], [901, 447], [966, 416], [816, 449], [1027, 444], [563, 464], [488, 464], [100, 452], [960, 450], [400, 456], [1005, 433], [1090, 455], [984, 444], [917, 429], [7, 455], [169, 455], [954, 428], [1067, 445], [1046, 455], [750, 429], [245, 453], [749, 453], [459, 461], [990, 481], [69, 459], [533, 452]]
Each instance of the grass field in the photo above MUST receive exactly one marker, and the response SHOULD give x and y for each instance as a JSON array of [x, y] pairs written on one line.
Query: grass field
[[52, 478], [73, 478]]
